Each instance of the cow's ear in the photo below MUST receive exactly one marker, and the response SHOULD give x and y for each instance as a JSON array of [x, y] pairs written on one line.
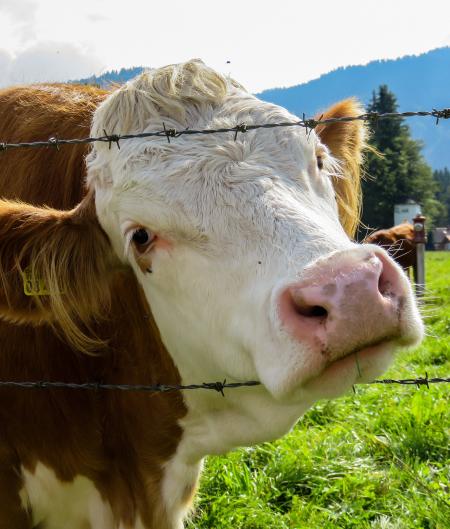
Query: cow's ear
[[54, 268], [346, 142]]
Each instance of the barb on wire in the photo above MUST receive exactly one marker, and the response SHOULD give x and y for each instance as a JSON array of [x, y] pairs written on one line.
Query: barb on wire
[[170, 133], [54, 142], [164, 388], [438, 114], [308, 124], [111, 138], [240, 128]]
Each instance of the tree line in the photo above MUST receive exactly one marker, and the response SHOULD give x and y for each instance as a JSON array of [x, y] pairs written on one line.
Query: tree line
[[396, 171]]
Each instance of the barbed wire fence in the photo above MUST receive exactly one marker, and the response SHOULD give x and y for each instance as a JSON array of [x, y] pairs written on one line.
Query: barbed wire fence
[[220, 387], [308, 124]]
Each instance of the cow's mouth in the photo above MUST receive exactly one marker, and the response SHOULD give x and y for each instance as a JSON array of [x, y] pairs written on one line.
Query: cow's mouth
[[358, 366], [334, 376], [355, 351]]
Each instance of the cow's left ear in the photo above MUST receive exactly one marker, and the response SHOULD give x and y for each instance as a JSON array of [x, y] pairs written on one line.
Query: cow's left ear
[[55, 268], [346, 142]]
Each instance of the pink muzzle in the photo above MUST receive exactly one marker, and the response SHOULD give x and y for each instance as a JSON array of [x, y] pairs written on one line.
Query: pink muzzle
[[346, 302]]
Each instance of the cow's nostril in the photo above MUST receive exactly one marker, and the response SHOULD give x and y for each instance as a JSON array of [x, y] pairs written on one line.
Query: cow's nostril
[[383, 286], [311, 311], [318, 312]]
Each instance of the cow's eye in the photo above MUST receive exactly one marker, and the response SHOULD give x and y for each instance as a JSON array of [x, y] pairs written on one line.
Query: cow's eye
[[142, 238], [320, 162]]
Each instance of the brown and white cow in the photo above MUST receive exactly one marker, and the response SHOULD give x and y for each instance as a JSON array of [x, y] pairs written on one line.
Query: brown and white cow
[[203, 259]]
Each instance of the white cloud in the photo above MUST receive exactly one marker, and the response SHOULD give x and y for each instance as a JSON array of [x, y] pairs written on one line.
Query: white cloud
[[22, 15], [47, 62], [19, 10], [5, 65]]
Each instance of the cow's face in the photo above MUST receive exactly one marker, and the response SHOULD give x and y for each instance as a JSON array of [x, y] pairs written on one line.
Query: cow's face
[[238, 244]]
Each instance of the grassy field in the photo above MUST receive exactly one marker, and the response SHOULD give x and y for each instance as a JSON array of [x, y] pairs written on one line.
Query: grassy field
[[379, 459]]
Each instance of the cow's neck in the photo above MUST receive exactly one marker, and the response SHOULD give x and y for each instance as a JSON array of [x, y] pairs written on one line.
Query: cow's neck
[[214, 425]]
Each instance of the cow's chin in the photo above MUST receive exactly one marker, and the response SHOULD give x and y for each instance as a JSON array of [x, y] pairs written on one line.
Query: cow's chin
[[337, 377]]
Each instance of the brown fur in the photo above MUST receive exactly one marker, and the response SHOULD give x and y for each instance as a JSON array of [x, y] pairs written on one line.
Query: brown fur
[[118, 440], [399, 242], [346, 141]]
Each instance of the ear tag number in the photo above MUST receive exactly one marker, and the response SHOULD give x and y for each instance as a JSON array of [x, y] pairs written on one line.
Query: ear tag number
[[32, 285]]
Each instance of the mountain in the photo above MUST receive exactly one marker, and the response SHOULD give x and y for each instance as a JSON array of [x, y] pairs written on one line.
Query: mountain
[[112, 77], [420, 82]]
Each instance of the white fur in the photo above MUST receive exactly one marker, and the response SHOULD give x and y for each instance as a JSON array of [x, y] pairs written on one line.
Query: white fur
[[55, 504], [180, 475], [244, 220]]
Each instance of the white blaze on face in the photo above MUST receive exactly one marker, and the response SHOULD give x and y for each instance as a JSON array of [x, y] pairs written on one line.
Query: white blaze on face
[[216, 228]]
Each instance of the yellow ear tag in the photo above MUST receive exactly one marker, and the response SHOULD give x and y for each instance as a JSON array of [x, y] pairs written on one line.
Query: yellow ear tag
[[33, 286]]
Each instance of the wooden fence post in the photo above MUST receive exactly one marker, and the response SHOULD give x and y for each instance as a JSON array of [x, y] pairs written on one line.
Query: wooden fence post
[[419, 240]]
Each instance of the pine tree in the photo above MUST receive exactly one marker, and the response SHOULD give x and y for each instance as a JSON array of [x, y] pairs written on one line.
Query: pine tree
[[396, 170], [442, 178]]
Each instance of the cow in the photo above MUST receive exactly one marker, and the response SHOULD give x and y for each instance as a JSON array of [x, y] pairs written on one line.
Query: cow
[[205, 258], [399, 243]]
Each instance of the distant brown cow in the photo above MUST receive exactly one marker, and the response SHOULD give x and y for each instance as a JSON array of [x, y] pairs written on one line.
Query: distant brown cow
[[399, 242]]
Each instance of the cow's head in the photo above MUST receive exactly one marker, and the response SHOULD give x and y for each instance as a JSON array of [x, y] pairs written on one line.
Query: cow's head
[[243, 246]]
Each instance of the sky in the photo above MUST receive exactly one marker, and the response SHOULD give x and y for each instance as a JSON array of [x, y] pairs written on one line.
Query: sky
[[261, 43]]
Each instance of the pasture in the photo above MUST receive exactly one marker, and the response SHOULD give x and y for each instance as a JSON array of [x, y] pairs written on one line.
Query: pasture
[[376, 459]]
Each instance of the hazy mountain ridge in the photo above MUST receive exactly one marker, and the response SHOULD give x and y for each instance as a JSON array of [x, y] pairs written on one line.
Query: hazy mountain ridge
[[420, 82]]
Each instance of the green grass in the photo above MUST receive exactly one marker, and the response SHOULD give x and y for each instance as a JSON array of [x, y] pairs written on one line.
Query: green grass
[[379, 459]]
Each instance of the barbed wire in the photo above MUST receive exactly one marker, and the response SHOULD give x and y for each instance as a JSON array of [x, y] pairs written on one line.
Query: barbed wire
[[425, 381], [165, 388], [308, 124], [149, 388]]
